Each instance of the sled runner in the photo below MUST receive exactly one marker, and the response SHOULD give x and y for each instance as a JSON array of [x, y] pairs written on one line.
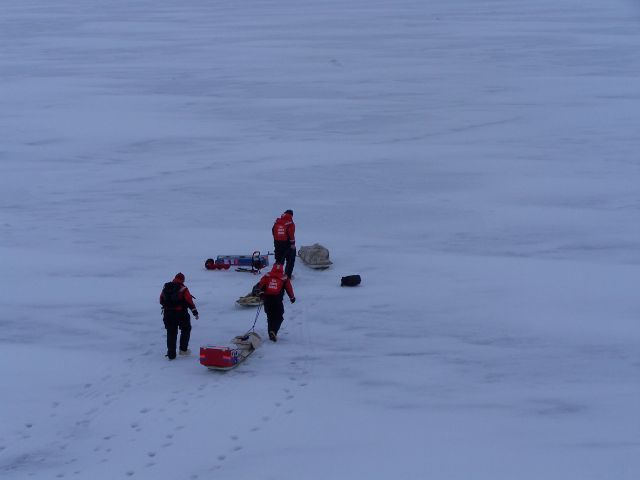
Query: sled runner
[[228, 357]]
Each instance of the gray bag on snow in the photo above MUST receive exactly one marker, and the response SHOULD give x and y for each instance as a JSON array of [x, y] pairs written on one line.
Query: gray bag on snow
[[248, 341], [315, 256]]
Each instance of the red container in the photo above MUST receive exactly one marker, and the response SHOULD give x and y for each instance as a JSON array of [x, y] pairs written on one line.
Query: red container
[[218, 357]]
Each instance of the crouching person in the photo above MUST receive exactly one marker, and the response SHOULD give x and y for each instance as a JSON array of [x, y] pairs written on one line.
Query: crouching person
[[176, 301], [272, 287]]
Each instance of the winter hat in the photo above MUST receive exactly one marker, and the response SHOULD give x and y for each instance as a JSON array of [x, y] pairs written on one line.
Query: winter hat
[[290, 212], [179, 277]]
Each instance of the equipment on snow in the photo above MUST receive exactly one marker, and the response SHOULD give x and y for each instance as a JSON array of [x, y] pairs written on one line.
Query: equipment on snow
[[350, 281], [315, 256], [227, 357], [250, 300], [255, 262], [211, 264]]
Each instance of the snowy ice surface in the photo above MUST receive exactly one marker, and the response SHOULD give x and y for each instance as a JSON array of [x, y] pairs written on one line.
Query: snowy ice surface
[[475, 161]]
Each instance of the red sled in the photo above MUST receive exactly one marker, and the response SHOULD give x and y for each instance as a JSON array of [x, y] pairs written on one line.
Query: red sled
[[225, 358]]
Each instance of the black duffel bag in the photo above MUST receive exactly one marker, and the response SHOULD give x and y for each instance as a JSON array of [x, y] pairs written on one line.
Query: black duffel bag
[[350, 281]]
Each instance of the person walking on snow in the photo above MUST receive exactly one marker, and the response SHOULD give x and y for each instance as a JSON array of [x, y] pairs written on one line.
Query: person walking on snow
[[284, 241], [176, 301], [272, 287]]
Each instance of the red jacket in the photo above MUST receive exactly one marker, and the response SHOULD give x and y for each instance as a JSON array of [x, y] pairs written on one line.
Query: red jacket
[[184, 295], [284, 229], [276, 283]]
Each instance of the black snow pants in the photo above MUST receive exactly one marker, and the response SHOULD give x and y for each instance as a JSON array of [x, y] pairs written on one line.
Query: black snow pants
[[285, 254], [274, 309], [174, 320]]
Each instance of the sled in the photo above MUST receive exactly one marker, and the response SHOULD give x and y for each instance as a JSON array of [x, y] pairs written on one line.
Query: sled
[[227, 357], [249, 300], [245, 263]]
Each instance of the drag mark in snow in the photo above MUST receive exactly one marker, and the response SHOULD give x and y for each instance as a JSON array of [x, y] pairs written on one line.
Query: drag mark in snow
[[554, 406]]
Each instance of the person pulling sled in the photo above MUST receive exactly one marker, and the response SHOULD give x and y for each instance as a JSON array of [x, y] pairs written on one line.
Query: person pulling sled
[[176, 301], [271, 288]]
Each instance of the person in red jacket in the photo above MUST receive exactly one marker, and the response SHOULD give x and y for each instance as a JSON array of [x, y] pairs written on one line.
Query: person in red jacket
[[272, 287], [284, 241], [176, 301]]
